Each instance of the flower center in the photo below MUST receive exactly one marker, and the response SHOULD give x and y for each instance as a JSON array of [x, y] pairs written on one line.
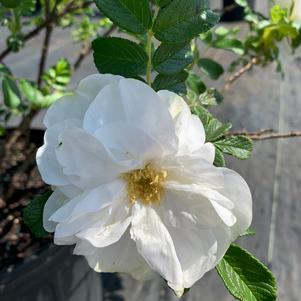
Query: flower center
[[145, 184]]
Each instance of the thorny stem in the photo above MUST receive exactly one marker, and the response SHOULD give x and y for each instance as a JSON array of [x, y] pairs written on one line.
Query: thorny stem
[[265, 134], [45, 46], [239, 73], [149, 62]]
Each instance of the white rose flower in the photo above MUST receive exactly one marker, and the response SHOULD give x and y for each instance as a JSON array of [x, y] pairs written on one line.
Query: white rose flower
[[296, 13], [134, 183]]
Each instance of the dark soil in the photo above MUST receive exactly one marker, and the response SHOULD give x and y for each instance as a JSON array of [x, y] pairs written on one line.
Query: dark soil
[[20, 182]]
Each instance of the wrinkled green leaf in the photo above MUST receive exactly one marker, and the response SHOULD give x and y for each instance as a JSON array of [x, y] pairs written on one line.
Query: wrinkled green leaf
[[174, 82], [211, 68], [33, 214], [180, 21], [11, 93], [239, 147], [132, 15], [215, 129], [219, 159], [172, 58], [246, 278], [119, 56], [211, 97]]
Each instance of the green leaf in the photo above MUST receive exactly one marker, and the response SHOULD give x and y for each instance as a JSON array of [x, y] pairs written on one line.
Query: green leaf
[[239, 147], [215, 129], [11, 93], [181, 21], [211, 68], [195, 84], [171, 58], [219, 159], [119, 56], [33, 214], [211, 97], [31, 93], [4, 70], [174, 82], [233, 45], [246, 278], [58, 76], [10, 3], [161, 3], [243, 3], [249, 232], [132, 15]]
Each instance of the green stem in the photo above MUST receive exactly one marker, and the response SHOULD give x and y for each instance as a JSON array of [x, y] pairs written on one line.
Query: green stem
[[149, 53]]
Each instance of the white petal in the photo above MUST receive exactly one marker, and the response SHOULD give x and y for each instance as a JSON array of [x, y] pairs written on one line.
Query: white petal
[[176, 104], [225, 189], [206, 152], [134, 102], [186, 208], [129, 143], [84, 159], [237, 190], [51, 137], [199, 235], [190, 132], [50, 169], [66, 231], [120, 257], [189, 128], [100, 235], [55, 201], [197, 251], [93, 84], [90, 201], [68, 107], [155, 245]]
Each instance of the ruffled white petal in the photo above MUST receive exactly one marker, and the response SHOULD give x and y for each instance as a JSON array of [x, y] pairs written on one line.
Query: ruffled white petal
[[189, 128], [119, 257], [176, 104], [155, 244], [90, 201], [131, 101], [55, 201], [93, 84], [75, 106], [85, 160], [129, 144], [68, 107], [50, 170]]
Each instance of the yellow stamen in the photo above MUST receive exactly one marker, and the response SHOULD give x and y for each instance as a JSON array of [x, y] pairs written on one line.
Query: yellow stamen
[[145, 184]]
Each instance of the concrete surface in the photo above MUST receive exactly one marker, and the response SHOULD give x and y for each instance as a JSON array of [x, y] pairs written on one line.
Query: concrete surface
[[258, 100]]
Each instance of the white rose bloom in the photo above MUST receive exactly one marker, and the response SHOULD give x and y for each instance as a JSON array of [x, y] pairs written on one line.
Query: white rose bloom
[[296, 13], [134, 183]]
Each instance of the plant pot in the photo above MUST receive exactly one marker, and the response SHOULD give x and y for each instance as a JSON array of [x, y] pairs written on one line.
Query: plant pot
[[52, 275]]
